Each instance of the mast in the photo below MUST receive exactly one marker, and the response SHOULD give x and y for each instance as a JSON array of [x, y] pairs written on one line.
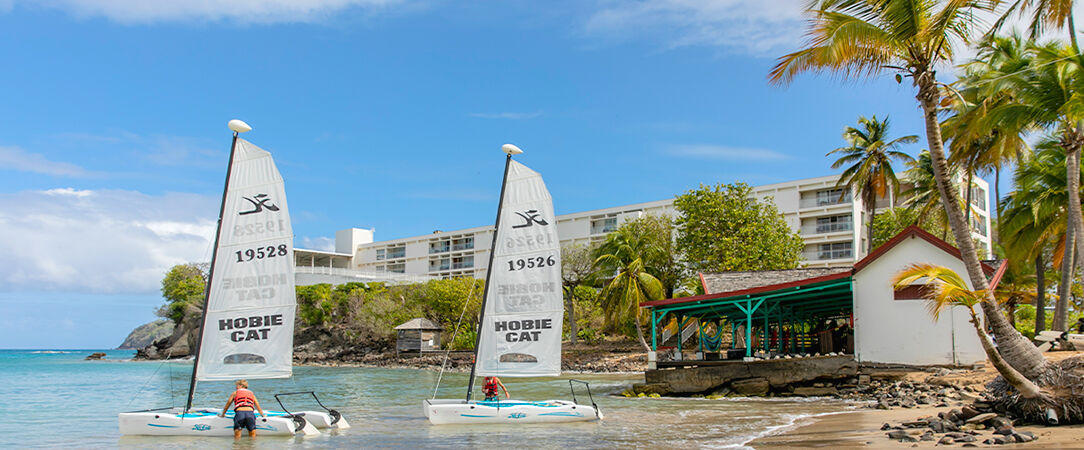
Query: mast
[[211, 270], [489, 274]]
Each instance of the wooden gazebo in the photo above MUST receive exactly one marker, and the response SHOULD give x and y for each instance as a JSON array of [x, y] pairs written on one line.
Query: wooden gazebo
[[418, 335]]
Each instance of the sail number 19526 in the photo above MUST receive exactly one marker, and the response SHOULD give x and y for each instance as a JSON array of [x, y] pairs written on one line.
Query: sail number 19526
[[531, 263], [270, 251]]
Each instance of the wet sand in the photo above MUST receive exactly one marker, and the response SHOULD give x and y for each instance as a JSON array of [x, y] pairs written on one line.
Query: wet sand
[[862, 428]]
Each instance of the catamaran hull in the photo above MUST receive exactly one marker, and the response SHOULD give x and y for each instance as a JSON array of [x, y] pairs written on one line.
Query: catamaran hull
[[206, 423], [318, 419], [442, 412]]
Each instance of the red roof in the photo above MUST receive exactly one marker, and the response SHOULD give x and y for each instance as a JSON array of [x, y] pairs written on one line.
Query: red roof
[[909, 232]]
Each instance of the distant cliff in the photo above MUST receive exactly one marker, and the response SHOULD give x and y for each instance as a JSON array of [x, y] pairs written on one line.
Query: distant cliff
[[146, 334]]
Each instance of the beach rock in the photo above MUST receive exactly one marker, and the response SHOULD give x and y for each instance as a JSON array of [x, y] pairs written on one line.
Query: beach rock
[[863, 379], [1021, 437], [751, 386], [886, 426], [897, 434], [95, 356], [965, 438], [927, 436], [937, 426], [967, 412], [969, 445], [981, 418], [651, 388], [1000, 422], [1005, 430], [946, 440]]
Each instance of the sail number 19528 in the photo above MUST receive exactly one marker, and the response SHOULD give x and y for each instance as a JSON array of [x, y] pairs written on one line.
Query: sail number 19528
[[531, 263], [270, 251], [258, 228]]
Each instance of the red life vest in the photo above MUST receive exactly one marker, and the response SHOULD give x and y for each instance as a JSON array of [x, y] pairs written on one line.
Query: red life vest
[[490, 387], [243, 398]]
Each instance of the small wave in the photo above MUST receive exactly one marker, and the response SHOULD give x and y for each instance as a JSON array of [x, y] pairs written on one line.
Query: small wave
[[793, 421], [49, 352]]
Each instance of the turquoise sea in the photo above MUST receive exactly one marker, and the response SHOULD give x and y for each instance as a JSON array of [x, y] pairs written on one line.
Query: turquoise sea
[[53, 398]]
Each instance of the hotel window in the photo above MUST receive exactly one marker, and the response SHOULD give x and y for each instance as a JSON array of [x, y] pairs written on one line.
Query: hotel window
[[834, 223], [396, 252], [440, 264], [380, 253], [836, 250], [464, 262], [833, 197], [439, 247], [397, 268], [466, 243], [978, 197], [978, 225], [603, 225]]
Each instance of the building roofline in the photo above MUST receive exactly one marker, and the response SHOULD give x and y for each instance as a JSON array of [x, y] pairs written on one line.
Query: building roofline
[[910, 232], [749, 291], [322, 252]]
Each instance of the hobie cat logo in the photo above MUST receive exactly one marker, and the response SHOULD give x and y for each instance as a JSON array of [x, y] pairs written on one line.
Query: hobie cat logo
[[530, 217], [259, 202], [201, 427], [517, 415]]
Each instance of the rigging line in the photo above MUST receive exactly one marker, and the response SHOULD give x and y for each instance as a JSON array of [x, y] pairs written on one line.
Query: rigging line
[[454, 333], [148, 380]]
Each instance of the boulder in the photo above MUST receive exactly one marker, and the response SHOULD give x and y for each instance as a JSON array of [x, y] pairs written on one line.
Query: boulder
[[967, 412], [897, 434], [651, 388], [95, 356], [946, 440], [981, 418], [750, 386]]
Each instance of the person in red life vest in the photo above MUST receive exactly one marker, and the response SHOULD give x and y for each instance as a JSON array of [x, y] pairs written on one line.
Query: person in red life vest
[[489, 388], [243, 401]]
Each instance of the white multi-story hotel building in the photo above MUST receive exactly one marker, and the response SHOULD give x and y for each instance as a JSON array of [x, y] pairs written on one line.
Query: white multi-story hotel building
[[827, 218]]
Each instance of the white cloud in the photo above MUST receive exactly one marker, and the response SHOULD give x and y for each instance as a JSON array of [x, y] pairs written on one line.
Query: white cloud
[[245, 11], [15, 158], [507, 115], [318, 243], [759, 27], [101, 241], [724, 153]]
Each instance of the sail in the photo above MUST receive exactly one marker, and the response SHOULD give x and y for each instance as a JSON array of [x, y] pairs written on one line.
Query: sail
[[521, 328], [249, 328]]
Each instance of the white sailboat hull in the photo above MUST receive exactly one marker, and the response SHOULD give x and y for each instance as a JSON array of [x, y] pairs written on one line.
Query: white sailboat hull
[[441, 412], [205, 422]]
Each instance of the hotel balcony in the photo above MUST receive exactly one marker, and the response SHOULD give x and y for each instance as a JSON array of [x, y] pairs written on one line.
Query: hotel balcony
[[825, 228], [828, 255]]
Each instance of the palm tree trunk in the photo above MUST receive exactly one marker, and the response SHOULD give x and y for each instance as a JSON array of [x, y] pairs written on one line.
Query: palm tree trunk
[[640, 335], [1076, 221], [1040, 294], [1024, 385], [1065, 284], [1017, 350], [869, 231]]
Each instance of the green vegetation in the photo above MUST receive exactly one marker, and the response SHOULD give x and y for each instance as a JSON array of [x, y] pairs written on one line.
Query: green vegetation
[[184, 286], [868, 157], [624, 254], [723, 228]]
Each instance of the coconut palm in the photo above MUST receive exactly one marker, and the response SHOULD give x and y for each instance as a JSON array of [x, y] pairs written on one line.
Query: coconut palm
[[868, 158], [1017, 287], [1044, 14], [623, 254], [950, 290], [864, 38], [922, 196], [1035, 219]]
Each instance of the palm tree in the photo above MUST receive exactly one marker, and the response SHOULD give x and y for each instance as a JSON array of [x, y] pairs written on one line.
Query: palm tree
[[950, 290], [1017, 287], [922, 196], [869, 159], [623, 253], [1035, 220], [863, 38]]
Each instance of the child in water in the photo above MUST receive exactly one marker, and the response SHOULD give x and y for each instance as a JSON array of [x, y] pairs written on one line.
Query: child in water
[[489, 388]]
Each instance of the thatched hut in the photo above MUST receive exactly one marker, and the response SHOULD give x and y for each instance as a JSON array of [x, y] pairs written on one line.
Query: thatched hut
[[418, 335]]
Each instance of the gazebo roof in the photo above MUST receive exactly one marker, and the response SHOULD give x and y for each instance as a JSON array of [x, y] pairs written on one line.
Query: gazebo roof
[[419, 324]]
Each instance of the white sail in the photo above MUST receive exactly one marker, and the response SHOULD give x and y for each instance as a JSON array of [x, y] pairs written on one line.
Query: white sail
[[249, 329], [521, 329]]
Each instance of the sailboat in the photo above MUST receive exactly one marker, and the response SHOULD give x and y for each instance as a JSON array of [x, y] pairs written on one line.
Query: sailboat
[[522, 310], [247, 326]]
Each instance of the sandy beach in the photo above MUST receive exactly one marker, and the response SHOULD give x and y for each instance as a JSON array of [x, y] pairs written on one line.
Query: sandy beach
[[862, 428]]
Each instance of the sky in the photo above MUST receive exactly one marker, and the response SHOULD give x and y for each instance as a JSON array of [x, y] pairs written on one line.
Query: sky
[[383, 114]]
